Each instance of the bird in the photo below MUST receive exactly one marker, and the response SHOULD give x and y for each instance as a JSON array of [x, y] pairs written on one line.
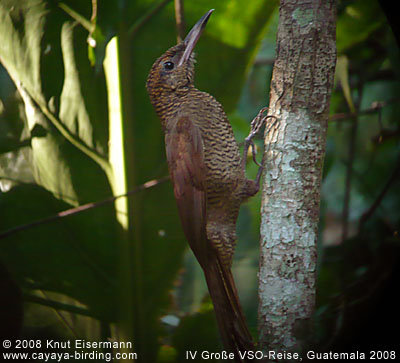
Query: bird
[[208, 177]]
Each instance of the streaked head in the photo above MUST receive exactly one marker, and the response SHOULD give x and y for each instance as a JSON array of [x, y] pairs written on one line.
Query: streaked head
[[174, 70]]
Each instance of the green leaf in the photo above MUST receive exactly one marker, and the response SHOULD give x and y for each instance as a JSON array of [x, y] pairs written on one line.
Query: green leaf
[[342, 74], [73, 256], [358, 21]]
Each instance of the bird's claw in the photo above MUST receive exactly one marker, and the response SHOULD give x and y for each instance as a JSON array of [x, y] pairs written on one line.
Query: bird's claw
[[256, 126], [250, 143], [260, 120]]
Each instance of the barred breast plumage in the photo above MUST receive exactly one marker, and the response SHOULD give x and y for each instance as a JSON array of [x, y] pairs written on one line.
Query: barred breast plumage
[[208, 178]]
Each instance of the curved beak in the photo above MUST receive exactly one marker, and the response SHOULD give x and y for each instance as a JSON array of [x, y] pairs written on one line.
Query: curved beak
[[194, 35]]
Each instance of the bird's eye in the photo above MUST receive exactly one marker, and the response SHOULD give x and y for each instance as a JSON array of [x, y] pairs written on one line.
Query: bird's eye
[[168, 65]]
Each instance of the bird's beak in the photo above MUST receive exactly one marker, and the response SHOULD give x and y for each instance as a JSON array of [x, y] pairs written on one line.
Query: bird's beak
[[193, 36]]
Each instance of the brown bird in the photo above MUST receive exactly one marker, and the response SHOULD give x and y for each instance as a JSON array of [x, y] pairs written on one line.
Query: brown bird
[[208, 177]]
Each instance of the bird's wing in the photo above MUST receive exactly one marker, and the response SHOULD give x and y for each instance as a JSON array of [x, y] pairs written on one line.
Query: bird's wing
[[185, 158]]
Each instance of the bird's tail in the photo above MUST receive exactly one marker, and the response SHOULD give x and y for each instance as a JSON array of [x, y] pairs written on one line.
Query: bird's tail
[[232, 325]]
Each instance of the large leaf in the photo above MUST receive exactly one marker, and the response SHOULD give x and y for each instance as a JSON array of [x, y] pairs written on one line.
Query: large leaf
[[45, 53], [59, 90], [359, 20], [56, 256]]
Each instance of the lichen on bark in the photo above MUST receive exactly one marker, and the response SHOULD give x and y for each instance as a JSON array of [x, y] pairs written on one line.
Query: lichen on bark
[[294, 150]]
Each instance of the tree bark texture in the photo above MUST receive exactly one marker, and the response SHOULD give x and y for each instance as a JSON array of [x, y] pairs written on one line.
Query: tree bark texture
[[301, 85]]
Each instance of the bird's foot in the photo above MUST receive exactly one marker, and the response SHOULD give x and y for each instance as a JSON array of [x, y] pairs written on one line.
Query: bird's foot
[[256, 126]]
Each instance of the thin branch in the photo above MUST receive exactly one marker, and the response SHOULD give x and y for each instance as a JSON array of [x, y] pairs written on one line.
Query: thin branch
[[368, 213], [94, 11], [57, 305], [82, 208], [76, 16], [146, 17], [385, 135], [350, 166], [180, 20], [376, 107], [349, 177], [61, 317]]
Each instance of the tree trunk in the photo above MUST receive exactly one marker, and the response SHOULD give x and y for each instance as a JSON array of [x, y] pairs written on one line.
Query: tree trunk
[[294, 151]]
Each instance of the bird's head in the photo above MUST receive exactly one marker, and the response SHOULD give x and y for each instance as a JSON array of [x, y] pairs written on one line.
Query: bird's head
[[173, 72]]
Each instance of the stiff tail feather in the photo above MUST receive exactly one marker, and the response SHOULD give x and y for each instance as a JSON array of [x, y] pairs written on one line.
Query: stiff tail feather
[[230, 318]]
